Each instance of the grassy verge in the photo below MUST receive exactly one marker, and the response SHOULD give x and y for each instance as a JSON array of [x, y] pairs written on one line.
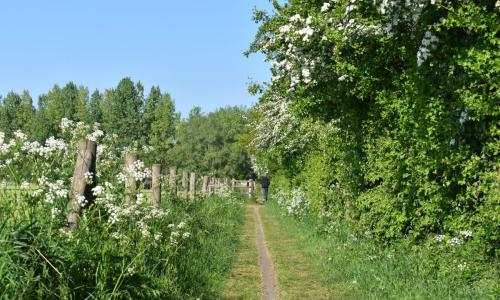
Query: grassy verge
[[297, 277], [185, 254], [361, 268], [245, 279]]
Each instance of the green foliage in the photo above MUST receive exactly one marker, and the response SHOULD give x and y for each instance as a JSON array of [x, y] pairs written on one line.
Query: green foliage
[[17, 113], [213, 143], [358, 266], [40, 262], [122, 111], [389, 116]]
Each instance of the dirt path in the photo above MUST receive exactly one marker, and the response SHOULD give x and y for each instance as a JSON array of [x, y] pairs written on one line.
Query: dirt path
[[270, 283]]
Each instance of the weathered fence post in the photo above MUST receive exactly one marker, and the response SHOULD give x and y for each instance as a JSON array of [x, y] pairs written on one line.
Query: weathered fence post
[[250, 185], [130, 183], [233, 185], [204, 186], [210, 187], [185, 184], [80, 194], [156, 184], [192, 186], [173, 181]]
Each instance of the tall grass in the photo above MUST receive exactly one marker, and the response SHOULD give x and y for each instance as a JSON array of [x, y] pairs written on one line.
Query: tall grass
[[37, 261], [359, 267]]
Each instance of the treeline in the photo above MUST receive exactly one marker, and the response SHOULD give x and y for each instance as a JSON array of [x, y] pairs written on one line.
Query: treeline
[[148, 122]]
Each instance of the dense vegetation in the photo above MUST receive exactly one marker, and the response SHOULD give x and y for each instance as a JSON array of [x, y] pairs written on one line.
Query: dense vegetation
[[214, 143], [386, 114], [118, 251], [148, 123]]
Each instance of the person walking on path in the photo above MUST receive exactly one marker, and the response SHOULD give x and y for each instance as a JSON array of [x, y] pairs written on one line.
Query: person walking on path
[[265, 186]]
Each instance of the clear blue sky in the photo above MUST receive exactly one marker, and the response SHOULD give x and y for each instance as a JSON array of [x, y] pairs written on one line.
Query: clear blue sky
[[191, 49]]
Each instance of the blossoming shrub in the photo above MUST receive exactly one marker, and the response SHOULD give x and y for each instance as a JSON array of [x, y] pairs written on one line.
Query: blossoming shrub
[[388, 114], [134, 251]]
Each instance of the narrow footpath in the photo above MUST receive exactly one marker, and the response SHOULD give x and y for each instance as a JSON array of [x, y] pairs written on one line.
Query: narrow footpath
[[269, 264], [270, 282]]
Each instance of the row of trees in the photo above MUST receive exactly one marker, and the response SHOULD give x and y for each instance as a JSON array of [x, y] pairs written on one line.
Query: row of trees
[[149, 123], [387, 112], [124, 111]]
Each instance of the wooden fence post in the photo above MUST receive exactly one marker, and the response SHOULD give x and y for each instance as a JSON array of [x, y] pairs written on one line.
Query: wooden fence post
[[210, 187], [233, 185], [173, 181], [250, 185], [192, 186], [185, 184], [81, 195], [156, 184], [130, 183], [204, 186]]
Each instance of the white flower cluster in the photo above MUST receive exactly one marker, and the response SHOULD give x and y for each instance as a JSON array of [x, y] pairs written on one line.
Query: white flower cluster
[[457, 240], [258, 167], [427, 43], [223, 191], [295, 203], [50, 190], [138, 171], [178, 232], [277, 124], [80, 129]]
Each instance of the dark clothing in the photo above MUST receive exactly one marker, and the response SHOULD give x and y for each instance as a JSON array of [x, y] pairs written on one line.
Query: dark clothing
[[265, 182], [265, 192]]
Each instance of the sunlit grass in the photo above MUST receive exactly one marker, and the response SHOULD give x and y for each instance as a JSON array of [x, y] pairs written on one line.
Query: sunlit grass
[[362, 268]]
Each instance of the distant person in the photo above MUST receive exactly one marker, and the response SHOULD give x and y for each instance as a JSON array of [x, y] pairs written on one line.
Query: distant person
[[264, 181]]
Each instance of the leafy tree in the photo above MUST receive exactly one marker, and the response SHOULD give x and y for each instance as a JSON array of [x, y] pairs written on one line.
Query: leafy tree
[[82, 105], [211, 144], [163, 120], [122, 111], [94, 108], [16, 112]]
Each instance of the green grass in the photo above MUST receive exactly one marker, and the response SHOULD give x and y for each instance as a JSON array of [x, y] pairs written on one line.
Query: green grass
[[362, 268], [38, 262], [297, 277], [245, 279]]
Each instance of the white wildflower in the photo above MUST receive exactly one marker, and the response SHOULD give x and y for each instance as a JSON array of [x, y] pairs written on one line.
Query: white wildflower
[[325, 7]]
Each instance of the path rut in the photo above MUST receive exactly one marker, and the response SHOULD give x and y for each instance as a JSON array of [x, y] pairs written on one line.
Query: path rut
[[270, 282]]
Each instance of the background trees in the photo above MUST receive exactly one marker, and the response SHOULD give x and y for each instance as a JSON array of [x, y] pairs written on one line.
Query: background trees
[[212, 143], [150, 124]]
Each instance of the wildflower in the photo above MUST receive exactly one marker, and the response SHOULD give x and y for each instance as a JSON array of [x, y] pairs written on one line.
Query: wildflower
[[25, 185], [98, 190], [181, 225], [55, 212], [89, 176], [455, 241], [466, 233], [439, 237], [140, 198], [463, 117], [80, 199], [95, 135], [37, 192], [121, 177], [462, 266], [325, 7], [186, 235], [452, 142], [296, 18]]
